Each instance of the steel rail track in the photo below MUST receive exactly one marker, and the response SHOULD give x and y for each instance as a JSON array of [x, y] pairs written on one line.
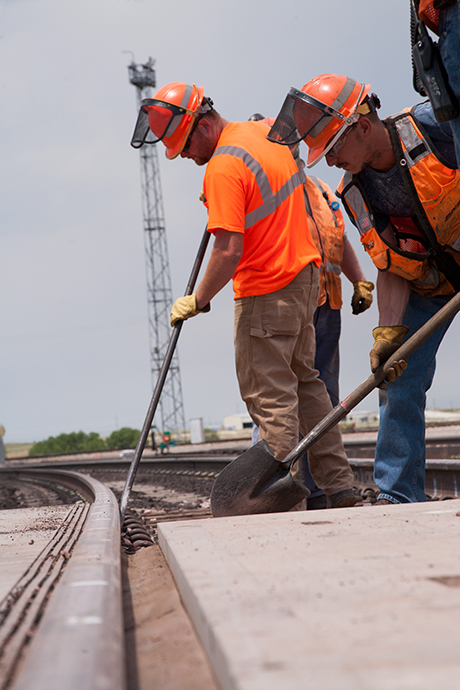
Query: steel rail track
[[75, 638], [442, 470]]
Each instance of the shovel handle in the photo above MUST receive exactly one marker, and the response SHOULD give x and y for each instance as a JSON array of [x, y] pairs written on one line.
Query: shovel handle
[[160, 383], [342, 409]]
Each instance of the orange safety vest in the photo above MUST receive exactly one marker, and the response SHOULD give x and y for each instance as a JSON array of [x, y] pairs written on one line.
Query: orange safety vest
[[327, 229], [438, 189], [429, 15]]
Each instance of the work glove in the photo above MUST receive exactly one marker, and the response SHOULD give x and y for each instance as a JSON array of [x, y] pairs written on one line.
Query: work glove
[[362, 296], [387, 340], [185, 307]]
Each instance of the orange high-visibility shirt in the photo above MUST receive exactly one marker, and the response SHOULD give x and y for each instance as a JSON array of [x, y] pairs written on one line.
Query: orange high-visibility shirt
[[254, 187]]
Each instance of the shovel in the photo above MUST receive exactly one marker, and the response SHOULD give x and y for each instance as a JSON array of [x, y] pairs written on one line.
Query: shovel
[[256, 482], [160, 383]]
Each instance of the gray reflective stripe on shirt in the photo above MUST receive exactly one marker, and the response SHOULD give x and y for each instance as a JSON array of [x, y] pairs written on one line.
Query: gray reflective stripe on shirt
[[416, 148], [270, 201], [353, 197]]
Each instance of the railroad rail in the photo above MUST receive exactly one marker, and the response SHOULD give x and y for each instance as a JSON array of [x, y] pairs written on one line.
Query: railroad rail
[[183, 466], [80, 639]]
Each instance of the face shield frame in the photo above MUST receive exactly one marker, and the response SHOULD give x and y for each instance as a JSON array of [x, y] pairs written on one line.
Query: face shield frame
[[143, 134]]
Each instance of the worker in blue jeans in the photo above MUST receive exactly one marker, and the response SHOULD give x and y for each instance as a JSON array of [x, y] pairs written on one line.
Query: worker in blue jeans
[[401, 189]]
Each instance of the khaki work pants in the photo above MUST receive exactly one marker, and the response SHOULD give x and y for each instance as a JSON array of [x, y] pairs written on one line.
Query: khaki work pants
[[275, 353]]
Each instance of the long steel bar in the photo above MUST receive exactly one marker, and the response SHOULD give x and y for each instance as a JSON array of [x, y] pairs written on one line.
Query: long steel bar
[[160, 382]]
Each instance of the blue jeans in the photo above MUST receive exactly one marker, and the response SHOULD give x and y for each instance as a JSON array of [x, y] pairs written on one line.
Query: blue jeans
[[449, 45], [399, 466], [327, 324]]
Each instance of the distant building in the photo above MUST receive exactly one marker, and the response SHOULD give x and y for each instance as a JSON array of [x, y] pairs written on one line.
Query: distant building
[[237, 422], [361, 420]]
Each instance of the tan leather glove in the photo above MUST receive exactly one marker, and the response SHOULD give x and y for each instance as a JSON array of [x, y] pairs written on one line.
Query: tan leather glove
[[387, 340], [362, 296], [185, 307]]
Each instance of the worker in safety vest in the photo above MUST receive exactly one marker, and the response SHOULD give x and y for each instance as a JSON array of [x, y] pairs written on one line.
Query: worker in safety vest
[[443, 18], [254, 196], [401, 190]]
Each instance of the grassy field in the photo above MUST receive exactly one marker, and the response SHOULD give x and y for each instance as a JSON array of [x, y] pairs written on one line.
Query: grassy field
[[17, 450]]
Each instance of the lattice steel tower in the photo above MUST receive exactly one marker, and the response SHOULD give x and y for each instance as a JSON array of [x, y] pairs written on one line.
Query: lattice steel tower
[[170, 412]]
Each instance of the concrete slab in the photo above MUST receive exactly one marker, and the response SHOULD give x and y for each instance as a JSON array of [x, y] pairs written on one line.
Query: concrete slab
[[350, 599], [24, 533]]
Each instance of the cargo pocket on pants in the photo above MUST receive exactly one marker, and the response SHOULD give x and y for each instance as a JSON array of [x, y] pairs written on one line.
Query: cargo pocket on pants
[[278, 313]]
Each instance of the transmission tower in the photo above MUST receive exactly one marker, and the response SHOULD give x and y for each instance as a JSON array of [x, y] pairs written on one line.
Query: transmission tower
[[170, 412]]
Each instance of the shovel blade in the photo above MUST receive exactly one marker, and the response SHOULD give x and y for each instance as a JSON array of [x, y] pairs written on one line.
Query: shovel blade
[[255, 483]]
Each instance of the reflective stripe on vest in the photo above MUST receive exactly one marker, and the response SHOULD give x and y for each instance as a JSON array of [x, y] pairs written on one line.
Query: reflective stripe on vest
[[270, 201], [333, 268], [437, 185]]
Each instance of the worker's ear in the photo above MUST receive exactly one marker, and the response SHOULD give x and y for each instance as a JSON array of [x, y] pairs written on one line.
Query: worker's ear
[[205, 125], [364, 126]]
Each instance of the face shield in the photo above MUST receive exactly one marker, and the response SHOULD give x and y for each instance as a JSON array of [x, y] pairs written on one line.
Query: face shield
[[158, 120], [302, 117]]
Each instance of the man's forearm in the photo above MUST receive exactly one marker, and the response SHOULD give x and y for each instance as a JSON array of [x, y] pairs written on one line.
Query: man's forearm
[[392, 297], [350, 264], [225, 257]]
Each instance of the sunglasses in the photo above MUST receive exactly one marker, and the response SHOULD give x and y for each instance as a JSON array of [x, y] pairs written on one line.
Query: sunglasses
[[333, 151], [189, 138]]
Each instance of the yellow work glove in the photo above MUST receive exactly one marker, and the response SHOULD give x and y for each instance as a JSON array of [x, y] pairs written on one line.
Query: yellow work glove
[[362, 296], [387, 340], [185, 307]]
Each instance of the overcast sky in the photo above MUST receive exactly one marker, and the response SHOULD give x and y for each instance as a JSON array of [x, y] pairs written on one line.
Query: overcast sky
[[73, 316]]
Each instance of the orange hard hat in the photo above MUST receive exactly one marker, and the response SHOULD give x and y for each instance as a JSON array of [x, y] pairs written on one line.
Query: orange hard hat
[[169, 116], [320, 113]]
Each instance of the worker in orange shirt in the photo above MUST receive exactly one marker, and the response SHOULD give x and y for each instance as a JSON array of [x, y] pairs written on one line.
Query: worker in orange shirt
[[253, 191], [327, 228]]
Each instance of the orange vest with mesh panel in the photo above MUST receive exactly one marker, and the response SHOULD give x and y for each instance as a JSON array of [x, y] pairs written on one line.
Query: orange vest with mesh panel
[[253, 186], [428, 14], [438, 189], [327, 231]]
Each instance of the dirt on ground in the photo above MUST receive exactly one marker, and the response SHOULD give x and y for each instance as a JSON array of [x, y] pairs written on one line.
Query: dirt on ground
[[163, 651], [168, 493]]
